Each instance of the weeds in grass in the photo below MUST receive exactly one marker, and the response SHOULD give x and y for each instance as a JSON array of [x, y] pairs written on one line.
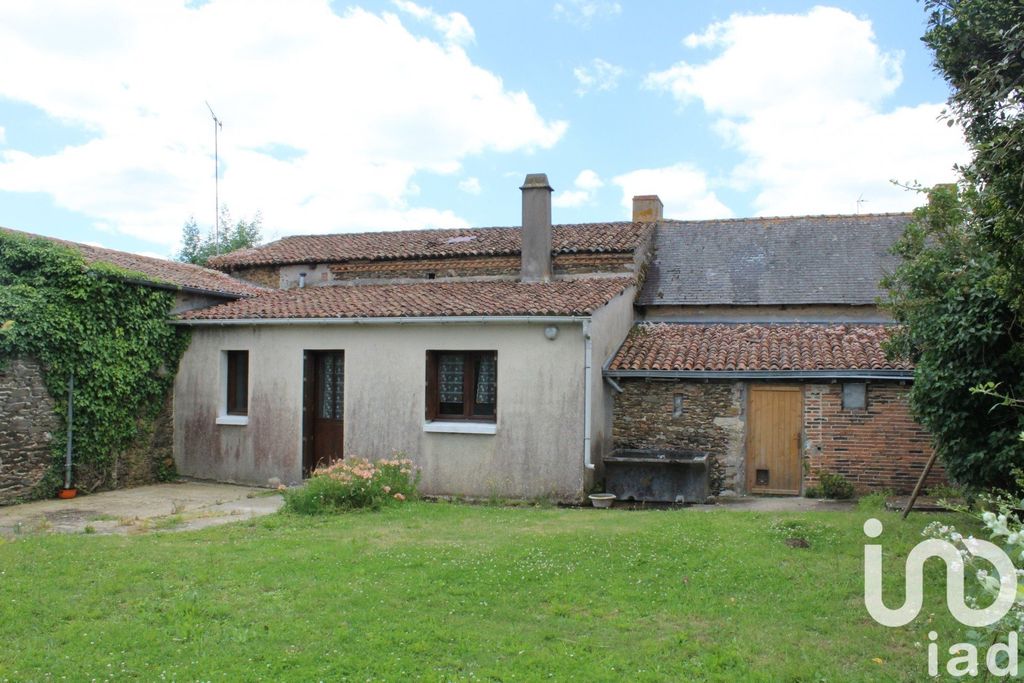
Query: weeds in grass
[[814, 532], [873, 502]]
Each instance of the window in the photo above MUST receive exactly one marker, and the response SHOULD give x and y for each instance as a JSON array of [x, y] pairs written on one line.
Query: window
[[462, 385], [237, 383], [855, 396]]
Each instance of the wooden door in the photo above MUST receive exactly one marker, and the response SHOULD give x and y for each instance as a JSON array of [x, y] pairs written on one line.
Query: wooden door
[[774, 425], [324, 424]]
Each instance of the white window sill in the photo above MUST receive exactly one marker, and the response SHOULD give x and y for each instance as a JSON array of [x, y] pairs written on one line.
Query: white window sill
[[460, 427], [240, 420]]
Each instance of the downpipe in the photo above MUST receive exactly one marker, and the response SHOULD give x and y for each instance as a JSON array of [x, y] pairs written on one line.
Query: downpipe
[[588, 359]]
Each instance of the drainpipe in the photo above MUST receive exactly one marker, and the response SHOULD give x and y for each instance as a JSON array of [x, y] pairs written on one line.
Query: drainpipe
[[588, 357], [71, 421]]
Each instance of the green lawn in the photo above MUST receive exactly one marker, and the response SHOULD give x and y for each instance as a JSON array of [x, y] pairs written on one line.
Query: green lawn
[[454, 592]]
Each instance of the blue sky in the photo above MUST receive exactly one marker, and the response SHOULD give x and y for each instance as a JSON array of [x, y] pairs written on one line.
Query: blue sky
[[392, 114]]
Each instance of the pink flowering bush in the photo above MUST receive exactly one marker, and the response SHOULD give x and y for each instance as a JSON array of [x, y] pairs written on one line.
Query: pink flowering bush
[[354, 483]]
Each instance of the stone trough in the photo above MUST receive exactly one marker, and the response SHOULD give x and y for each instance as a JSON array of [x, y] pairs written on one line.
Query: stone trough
[[657, 475]]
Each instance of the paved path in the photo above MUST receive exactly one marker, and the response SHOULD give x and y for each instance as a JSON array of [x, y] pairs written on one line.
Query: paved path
[[177, 506]]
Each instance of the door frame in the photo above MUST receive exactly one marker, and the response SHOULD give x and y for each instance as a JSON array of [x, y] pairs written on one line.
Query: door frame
[[750, 472]]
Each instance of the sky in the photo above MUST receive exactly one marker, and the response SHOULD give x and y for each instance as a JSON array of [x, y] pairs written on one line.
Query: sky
[[393, 114]]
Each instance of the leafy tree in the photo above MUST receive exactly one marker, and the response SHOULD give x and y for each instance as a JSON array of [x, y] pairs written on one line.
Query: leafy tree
[[197, 249], [960, 290]]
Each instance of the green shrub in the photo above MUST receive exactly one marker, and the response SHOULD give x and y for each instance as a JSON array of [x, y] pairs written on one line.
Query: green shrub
[[812, 492], [352, 484], [835, 486]]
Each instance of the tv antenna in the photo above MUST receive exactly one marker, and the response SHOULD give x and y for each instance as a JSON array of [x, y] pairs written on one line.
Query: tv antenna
[[217, 125], [860, 202]]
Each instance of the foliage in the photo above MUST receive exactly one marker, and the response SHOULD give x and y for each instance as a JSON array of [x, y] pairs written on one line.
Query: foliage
[[457, 593], [960, 290], [87, 320], [354, 483], [835, 486], [873, 501], [1002, 518], [961, 331], [197, 249], [978, 46]]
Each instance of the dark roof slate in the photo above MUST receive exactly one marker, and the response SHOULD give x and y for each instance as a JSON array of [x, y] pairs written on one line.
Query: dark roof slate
[[772, 261]]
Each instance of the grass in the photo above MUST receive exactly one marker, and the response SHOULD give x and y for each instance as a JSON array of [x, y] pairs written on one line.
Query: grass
[[456, 592]]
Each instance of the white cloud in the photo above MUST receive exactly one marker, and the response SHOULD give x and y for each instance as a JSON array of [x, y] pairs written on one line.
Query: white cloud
[[587, 183], [682, 188], [801, 97], [599, 76], [363, 105], [454, 26], [583, 12], [470, 185]]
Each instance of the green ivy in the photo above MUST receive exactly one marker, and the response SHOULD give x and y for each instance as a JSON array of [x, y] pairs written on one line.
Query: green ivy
[[86, 319]]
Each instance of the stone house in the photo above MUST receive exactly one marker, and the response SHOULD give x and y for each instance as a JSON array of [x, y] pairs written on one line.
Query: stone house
[[521, 361], [759, 342]]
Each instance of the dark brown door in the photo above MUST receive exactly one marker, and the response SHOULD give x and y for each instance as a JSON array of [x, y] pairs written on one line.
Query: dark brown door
[[324, 424], [774, 422]]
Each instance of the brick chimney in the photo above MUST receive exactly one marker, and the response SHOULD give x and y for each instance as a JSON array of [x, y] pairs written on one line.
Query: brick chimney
[[536, 233], [647, 208]]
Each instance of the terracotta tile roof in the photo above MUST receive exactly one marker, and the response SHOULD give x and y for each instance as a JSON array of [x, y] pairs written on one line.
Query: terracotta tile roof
[[753, 347], [409, 244], [160, 271], [499, 298]]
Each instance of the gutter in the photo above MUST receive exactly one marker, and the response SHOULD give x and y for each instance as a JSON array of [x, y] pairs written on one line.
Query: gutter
[[396, 320], [762, 374]]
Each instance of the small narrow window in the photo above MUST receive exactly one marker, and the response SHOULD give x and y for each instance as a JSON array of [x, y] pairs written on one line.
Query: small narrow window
[[238, 383], [462, 385], [677, 405], [855, 396]]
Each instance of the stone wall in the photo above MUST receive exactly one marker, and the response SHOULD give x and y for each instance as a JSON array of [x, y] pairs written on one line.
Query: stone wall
[[707, 417], [877, 448], [27, 425]]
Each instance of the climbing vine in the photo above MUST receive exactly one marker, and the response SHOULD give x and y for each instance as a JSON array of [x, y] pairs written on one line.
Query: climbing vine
[[88, 320]]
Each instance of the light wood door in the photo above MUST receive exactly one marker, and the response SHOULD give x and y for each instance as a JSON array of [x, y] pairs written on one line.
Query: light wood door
[[774, 424]]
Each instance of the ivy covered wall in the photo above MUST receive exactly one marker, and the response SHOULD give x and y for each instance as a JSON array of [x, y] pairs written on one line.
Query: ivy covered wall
[[115, 336]]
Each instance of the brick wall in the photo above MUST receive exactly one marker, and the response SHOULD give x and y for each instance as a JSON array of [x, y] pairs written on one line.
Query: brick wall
[[27, 424], [880, 447], [710, 420], [268, 276]]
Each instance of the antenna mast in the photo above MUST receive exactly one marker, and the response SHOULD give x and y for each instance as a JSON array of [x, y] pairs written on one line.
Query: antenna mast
[[217, 125], [860, 202]]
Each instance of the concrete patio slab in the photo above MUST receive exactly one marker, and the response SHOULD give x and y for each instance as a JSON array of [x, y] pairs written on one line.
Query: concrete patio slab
[[178, 505]]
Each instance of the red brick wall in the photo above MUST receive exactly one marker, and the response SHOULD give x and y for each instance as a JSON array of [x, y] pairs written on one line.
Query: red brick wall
[[880, 447]]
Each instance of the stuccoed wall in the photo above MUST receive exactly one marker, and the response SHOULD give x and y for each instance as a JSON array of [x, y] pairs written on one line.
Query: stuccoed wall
[[537, 449], [27, 424]]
